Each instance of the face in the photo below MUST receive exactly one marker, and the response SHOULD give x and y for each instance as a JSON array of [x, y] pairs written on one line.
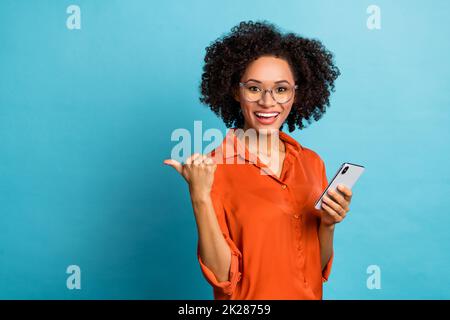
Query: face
[[266, 72]]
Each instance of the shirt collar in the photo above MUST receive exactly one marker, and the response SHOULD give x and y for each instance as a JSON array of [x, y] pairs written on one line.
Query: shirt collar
[[231, 146]]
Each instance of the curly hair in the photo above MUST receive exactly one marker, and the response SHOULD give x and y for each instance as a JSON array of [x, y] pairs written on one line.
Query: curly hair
[[227, 58]]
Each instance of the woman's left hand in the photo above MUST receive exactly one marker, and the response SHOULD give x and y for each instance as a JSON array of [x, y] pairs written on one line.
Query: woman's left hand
[[336, 205]]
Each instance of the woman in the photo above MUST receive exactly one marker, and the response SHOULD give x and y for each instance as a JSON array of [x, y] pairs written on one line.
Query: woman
[[260, 236]]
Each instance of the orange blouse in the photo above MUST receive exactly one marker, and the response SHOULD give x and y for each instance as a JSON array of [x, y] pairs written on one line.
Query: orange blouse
[[269, 223]]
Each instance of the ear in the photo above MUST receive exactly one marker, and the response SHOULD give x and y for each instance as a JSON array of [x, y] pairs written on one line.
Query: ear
[[236, 95]]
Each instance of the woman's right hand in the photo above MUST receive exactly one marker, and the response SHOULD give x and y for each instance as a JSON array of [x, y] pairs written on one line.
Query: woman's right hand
[[198, 171]]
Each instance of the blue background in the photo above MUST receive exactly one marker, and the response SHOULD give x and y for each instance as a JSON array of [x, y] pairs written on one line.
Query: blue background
[[86, 118]]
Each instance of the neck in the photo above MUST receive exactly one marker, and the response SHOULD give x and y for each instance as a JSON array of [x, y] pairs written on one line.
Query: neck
[[265, 143]]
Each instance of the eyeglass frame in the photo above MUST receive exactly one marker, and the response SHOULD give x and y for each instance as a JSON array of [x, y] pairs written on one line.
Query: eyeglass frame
[[295, 87]]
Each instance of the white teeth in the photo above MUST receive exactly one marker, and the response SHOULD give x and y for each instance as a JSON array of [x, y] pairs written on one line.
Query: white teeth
[[266, 115]]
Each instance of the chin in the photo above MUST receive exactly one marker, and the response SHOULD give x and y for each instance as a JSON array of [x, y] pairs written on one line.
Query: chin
[[266, 128]]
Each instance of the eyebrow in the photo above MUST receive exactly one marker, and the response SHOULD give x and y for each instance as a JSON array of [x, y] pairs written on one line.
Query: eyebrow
[[279, 81]]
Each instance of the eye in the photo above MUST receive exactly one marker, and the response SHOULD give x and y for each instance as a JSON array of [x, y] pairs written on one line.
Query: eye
[[281, 89], [254, 88]]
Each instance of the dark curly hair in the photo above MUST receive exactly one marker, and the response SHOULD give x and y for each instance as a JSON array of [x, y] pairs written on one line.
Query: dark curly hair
[[227, 58]]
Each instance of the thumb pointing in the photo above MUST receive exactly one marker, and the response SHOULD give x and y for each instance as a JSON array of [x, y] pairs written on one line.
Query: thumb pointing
[[175, 164]]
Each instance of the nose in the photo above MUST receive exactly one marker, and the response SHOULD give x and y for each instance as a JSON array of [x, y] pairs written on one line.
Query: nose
[[267, 100]]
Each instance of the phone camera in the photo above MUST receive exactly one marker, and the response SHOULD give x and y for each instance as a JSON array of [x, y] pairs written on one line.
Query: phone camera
[[345, 170]]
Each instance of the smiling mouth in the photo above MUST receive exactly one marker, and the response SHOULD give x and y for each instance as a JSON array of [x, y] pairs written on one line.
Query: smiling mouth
[[266, 115], [266, 118]]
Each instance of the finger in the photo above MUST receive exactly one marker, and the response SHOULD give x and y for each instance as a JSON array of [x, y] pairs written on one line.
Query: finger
[[332, 213], [198, 160], [336, 196], [335, 206], [209, 160], [346, 191], [192, 158], [175, 164], [204, 159]]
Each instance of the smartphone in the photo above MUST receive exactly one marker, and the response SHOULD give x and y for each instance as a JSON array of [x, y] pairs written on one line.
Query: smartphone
[[347, 175]]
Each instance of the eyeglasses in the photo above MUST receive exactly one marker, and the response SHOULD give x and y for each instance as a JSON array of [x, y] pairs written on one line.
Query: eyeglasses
[[281, 93]]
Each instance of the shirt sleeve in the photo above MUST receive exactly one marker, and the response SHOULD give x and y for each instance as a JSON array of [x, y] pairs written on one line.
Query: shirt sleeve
[[223, 287], [327, 270], [324, 176]]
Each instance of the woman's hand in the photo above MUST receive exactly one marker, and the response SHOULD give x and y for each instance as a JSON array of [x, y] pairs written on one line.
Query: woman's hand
[[336, 205], [198, 171]]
